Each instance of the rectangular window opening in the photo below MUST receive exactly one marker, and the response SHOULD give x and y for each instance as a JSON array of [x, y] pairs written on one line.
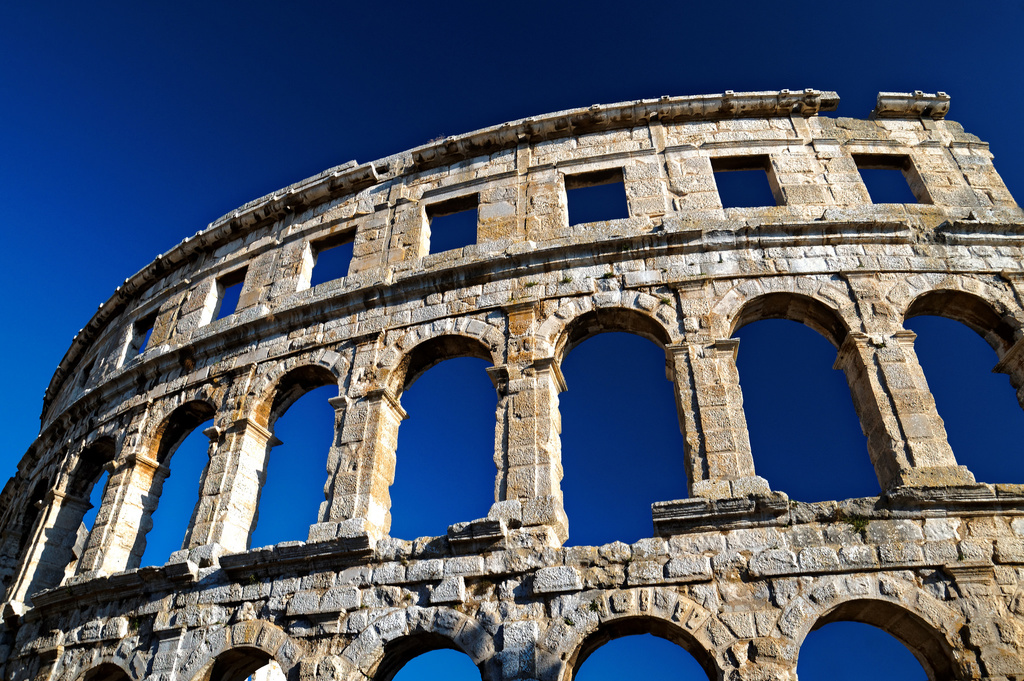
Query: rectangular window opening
[[596, 196], [453, 223], [83, 378], [331, 257], [743, 182], [142, 330], [887, 177], [229, 290]]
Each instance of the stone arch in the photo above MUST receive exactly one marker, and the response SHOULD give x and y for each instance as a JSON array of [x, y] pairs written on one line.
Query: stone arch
[[998, 328], [90, 463], [401, 651], [285, 382], [927, 627], [176, 426], [105, 671], [240, 649], [984, 305], [630, 312], [820, 305], [422, 347], [391, 640], [660, 611], [807, 310], [630, 626], [431, 352]]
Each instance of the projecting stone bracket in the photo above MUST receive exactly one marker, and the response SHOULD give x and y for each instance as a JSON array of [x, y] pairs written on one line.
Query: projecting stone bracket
[[689, 515], [484, 534], [271, 560], [959, 497]]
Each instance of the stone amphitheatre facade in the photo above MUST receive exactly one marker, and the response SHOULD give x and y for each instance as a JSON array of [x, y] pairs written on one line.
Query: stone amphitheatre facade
[[735, 573]]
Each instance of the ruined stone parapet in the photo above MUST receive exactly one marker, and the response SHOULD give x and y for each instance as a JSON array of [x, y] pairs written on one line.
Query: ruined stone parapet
[[736, 573]]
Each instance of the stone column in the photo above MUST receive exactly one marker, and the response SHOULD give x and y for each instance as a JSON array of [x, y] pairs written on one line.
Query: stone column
[[362, 461], [230, 489], [906, 438], [710, 404], [528, 450], [117, 540], [51, 547]]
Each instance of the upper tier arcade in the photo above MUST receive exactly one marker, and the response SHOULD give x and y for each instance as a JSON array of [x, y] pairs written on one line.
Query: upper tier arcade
[[937, 560]]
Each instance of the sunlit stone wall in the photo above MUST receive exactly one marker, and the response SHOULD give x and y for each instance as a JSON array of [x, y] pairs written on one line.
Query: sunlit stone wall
[[736, 573]]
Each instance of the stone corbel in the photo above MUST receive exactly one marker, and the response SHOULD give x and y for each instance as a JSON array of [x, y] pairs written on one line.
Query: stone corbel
[[548, 364], [247, 425], [852, 344], [499, 378], [141, 460], [386, 396], [727, 346], [1011, 360]]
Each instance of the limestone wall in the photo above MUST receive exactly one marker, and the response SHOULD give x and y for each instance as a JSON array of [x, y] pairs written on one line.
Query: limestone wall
[[736, 573]]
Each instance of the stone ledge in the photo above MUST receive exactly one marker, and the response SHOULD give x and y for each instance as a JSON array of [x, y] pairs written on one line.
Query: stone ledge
[[689, 515], [477, 535], [274, 559], [957, 498]]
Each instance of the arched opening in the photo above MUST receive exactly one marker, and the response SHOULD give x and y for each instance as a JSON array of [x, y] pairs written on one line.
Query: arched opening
[[635, 647], [424, 657], [929, 653], [444, 464], [969, 310], [805, 436], [959, 338], [242, 664], [31, 512], [622, 449], [105, 672], [889, 660], [271, 671], [87, 482], [292, 486], [173, 496]]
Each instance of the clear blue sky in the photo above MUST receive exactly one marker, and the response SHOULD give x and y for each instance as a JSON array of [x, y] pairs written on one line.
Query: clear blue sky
[[129, 126]]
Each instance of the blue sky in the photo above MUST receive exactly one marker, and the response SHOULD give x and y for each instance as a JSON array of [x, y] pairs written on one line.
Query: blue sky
[[129, 126]]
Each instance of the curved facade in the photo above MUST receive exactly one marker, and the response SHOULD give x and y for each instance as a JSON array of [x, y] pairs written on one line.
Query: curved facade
[[735, 573]]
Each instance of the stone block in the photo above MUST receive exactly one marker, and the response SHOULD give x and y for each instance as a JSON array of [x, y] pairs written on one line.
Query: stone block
[[557, 580], [450, 590]]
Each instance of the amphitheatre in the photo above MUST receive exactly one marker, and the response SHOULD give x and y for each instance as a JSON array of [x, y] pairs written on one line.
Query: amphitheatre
[[736, 573]]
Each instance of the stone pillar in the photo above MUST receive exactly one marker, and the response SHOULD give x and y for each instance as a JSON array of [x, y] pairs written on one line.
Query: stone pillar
[[906, 438], [230, 489], [545, 213], [991, 629], [710, 404], [528, 450], [117, 540], [51, 547], [362, 461]]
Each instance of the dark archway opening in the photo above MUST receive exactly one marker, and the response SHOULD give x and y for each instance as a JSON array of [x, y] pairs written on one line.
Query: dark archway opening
[[805, 436], [181, 438], [893, 634], [424, 657], [622, 449], [983, 419], [105, 672], [303, 423], [830, 654], [641, 648], [444, 470]]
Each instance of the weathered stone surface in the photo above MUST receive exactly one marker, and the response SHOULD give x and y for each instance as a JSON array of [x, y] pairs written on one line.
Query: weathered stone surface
[[937, 560]]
